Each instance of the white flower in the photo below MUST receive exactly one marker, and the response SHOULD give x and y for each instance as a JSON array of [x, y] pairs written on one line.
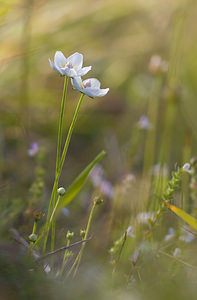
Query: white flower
[[187, 168], [177, 252], [129, 231], [187, 236], [71, 66], [170, 235], [144, 217], [90, 87]]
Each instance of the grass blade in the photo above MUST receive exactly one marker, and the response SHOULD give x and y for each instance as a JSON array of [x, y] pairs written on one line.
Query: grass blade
[[77, 184], [183, 215]]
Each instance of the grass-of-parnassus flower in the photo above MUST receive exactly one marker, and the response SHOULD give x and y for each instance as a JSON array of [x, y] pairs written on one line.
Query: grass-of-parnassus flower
[[89, 87], [71, 66]]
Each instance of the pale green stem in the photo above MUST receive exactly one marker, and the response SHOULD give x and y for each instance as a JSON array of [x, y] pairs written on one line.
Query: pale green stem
[[64, 259], [50, 222], [59, 152], [33, 232], [61, 124], [52, 235], [54, 211], [70, 134], [34, 227], [78, 258], [58, 145], [58, 173]]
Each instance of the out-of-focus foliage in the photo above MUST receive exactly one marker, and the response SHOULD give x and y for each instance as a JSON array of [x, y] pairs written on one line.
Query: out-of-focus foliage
[[145, 52]]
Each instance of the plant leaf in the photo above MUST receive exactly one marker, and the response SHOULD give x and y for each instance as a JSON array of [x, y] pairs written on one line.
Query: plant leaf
[[77, 184], [183, 215]]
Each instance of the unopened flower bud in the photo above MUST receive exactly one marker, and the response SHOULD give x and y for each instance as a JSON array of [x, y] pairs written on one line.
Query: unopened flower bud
[[33, 237], [82, 233], [98, 200], [69, 235], [61, 191]]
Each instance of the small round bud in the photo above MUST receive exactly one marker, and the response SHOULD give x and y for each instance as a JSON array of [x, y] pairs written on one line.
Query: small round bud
[[33, 237], [98, 200], [69, 235], [61, 191], [82, 233]]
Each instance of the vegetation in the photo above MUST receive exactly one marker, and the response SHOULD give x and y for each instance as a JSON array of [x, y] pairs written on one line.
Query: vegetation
[[98, 187]]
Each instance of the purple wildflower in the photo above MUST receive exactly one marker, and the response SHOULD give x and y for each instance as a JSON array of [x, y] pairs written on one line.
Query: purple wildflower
[[34, 148]]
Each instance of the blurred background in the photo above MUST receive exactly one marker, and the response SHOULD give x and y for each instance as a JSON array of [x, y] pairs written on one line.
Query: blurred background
[[145, 52]]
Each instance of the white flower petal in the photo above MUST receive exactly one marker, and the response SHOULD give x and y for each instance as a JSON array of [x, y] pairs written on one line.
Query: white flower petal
[[83, 71], [76, 60], [59, 59], [53, 66], [77, 83], [102, 92], [91, 92], [95, 83]]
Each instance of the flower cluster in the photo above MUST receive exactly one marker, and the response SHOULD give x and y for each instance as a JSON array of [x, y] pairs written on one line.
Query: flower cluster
[[72, 67]]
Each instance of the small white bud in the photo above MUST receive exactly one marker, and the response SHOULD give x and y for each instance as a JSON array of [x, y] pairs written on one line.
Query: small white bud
[[61, 191], [33, 237]]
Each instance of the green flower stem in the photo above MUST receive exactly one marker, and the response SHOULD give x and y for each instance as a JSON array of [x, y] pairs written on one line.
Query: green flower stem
[[51, 222], [61, 123], [52, 235], [58, 146], [64, 259], [59, 153], [58, 172], [33, 232], [54, 211], [34, 227], [78, 258], [70, 134]]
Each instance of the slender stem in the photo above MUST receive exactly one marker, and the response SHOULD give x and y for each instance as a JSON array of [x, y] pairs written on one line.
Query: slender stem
[[120, 252], [58, 145], [58, 172], [64, 259], [59, 151], [52, 235], [63, 249], [61, 123], [34, 227], [54, 211], [52, 224], [33, 232], [70, 134], [78, 258]]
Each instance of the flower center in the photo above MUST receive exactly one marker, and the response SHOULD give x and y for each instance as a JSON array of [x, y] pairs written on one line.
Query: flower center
[[87, 84], [69, 65]]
